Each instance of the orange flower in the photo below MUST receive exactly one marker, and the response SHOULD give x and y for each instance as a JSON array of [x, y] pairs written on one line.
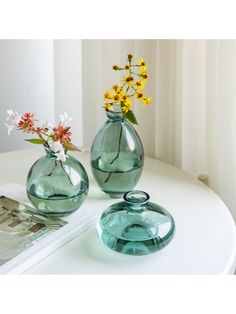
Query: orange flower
[[26, 123], [61, 134]]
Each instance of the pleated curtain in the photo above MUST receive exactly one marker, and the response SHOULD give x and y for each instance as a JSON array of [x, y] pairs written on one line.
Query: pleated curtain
[[191, 123]]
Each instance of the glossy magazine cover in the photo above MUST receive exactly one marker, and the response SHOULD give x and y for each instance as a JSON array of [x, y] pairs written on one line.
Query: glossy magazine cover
[[21, 227]]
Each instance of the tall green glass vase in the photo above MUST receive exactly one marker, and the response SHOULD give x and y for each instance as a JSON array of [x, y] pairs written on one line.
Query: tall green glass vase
[[55, 187], [117, 156]]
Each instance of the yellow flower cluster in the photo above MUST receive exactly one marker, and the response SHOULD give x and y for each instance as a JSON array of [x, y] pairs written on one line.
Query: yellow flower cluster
[[132, 87]]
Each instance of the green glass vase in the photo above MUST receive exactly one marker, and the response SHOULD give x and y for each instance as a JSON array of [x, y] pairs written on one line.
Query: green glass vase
[[55, 187], [136, 226], [117, 156]]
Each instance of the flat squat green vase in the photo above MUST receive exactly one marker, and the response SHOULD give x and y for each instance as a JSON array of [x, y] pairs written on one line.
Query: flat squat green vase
[[136, 226]]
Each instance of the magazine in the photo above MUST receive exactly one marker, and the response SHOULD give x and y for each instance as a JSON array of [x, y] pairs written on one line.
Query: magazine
[[26, 237], [21, 226]]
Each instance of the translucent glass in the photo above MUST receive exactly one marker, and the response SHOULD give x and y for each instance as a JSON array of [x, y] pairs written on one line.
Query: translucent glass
[[117, 156], [57, 188], [136, 226]]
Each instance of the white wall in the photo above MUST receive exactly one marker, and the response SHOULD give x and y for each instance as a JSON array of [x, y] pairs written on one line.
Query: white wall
[[98, 76], [26, 84], [51, 77], [68, 84]]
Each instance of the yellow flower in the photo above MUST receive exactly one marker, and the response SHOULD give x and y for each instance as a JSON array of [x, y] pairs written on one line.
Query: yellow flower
[[130, 56], [143, 69], [141, 62], [117, 88], [142, 65], [115, 67], [126, 106], [140, 84], [128, 80], [144, 75], [123, 96], [108, 106], [108, 95], [117, 97], [147, 101], [131, 87], [139, 95]]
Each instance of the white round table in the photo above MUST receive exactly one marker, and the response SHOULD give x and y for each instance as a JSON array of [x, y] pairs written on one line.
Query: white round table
[[204, 242]]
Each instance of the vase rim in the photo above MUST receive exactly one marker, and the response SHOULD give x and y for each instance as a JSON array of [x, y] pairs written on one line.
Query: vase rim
[[50, 151], [117, 115], [136, 197]]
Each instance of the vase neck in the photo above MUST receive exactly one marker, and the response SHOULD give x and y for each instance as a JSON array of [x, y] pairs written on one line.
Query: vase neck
[[137, 200], [115, 116], [50, 153]]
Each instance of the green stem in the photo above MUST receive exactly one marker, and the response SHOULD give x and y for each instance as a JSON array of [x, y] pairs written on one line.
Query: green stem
[[136, 73], [117, 155], [108, 177], [53, 169], [62, 168], [66, 172], [134, 89]]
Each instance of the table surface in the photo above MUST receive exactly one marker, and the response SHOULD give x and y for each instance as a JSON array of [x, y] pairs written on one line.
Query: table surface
[[204, 242]]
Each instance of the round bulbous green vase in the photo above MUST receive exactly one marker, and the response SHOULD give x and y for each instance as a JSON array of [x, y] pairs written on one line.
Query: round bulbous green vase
[[117, 156], [55, 187]]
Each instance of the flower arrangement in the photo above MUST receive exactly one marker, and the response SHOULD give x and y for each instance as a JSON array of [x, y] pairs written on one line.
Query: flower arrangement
[[132, 88], [57, 139]]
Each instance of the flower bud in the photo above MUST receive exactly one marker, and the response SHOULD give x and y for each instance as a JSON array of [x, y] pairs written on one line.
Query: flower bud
[[130, 56]]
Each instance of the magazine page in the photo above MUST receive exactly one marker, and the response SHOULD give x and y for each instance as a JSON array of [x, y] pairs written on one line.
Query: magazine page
[[21, 226], [26, 236]]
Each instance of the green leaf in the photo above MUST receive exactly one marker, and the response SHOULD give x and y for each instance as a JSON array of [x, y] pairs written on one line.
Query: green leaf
[[36, 141], [131, 117], [70, 146]]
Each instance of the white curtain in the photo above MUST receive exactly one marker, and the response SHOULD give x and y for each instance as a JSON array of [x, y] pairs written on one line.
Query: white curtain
[[196, 118], [191, 123], [98, 57]]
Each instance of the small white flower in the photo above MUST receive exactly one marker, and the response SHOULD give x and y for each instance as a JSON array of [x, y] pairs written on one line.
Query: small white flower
[[13, 119], [10, 128], [47, 125], [61, 156], [56, 147], [58, 150], [65, 119]]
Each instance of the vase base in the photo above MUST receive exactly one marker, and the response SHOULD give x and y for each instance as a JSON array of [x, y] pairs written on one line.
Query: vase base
[[57, 207], [115, 194], [137, 246], [51, 214]]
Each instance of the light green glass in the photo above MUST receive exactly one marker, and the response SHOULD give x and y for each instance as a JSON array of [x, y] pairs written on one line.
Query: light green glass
[[136, 226], [117, 156], [57, 188]]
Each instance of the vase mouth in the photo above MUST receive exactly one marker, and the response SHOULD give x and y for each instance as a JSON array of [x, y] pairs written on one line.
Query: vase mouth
[[116, 114], [136, 197], [50, 152]]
